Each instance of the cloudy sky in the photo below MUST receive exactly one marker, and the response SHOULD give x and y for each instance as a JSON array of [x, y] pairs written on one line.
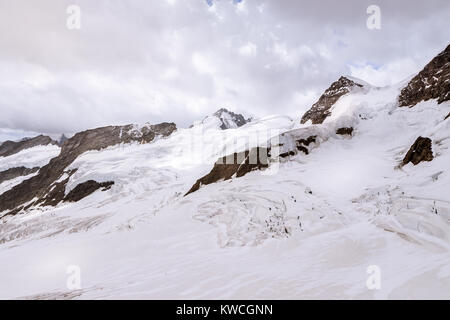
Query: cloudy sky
[[178, 60]]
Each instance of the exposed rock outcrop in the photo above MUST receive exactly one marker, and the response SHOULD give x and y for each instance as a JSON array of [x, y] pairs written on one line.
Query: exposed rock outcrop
[[239, 164], [420, 151], [303, 144], [345, 131], [43, 189], [8, 148], [55, 192], [433, 82], [84, 189], [234, 165], [321, 109], [13, 173]]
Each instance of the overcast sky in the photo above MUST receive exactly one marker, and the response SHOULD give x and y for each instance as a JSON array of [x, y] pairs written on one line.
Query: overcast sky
[[179, 60]]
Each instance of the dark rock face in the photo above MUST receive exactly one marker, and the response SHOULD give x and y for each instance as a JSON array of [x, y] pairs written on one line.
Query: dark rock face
[[54, 193], [42, 185], [420, 151], [86, 188], [8, 148], [321, 109], [433, 82], [345, 131], [237, 164], [13, 173], [289, 153], [447, 116]]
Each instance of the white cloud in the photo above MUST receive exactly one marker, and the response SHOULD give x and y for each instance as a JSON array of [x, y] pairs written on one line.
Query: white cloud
[[241, 8], [171, 73], [302, 100], [203, 63], [385, 75], [14, 135], [137, 61], [248, 50]]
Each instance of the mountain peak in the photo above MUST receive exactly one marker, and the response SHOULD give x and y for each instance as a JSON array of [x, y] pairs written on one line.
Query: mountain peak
[[321, 109], [222, 110], [226, 119], [62, 139]]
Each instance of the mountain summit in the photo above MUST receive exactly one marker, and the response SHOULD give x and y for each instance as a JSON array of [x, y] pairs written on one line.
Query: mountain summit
[[321, 109], [225, 119]]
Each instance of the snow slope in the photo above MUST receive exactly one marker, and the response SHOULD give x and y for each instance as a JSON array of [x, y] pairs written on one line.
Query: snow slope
[[32, 157], [308, 230]]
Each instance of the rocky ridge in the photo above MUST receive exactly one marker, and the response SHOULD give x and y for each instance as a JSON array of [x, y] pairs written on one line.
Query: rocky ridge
[[9, 148], [433, 82], [48, 186]]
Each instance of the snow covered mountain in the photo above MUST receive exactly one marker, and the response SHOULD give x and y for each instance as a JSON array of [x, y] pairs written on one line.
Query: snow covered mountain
[[301, 211], [9, 148], [48, 186], [224, 119]]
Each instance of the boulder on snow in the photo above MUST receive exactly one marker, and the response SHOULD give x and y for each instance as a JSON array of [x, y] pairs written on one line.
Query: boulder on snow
[[345, 131], [420, 151]]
